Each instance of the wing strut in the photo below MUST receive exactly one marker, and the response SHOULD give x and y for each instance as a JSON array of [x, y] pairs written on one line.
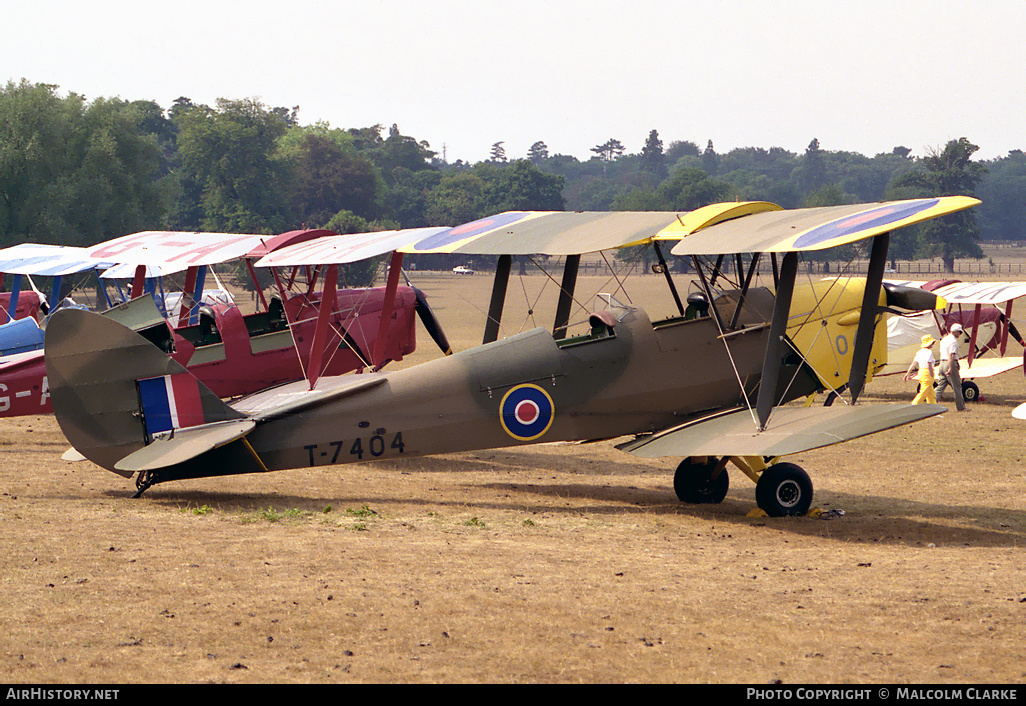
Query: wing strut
[[669, 278], [12, 309], [566, 296], [707, 287], [55, 293], [775, 345], [867, 320], [320, 338], [139, 281], [744, 289], [1007, 325], [972, 337], [387, 306], [502, 268], [187, 301], [256, 284], [716, 271]]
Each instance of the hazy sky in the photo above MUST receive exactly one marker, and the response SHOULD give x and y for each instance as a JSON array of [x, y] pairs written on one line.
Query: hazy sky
[[463, 74]]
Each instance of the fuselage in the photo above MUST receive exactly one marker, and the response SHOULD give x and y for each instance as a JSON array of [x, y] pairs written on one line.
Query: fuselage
[[627, 376], [630, 378]]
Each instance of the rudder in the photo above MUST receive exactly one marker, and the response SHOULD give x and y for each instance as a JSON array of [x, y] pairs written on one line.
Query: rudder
[[105, 385]]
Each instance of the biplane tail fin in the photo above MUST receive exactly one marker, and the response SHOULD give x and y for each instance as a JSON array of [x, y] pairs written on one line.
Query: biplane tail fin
[[113, 391]]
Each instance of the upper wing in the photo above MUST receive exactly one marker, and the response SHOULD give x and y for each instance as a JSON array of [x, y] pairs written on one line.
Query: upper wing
[[815, 228], [174, 251], [754, 226], [340, 249], [712, 214], [547, 233], [981, 292], [47, 260], [972, 293]]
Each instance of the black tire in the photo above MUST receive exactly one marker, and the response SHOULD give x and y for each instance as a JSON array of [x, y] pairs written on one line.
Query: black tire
[[693, 482], [783, 490], [970, 391]]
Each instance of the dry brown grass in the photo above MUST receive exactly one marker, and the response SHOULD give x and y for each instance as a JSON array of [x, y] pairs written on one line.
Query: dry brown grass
[[551, 563]]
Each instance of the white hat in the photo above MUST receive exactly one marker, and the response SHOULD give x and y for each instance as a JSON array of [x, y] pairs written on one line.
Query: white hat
[[956, 328]]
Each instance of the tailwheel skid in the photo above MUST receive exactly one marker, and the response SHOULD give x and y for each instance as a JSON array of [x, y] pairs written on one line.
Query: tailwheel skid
[[782, 489], [143, 481]]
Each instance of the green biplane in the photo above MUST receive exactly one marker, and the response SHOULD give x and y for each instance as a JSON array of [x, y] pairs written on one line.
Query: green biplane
[[729, 361]]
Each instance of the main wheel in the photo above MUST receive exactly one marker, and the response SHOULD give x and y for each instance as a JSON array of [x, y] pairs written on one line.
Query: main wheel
[[970, 391], [694, 482], [784, 489]]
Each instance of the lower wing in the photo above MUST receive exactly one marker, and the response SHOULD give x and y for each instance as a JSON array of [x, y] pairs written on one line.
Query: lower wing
[[791, 430]]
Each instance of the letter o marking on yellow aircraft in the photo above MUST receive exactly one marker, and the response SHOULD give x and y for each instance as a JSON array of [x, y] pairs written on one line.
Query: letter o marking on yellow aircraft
[[526, 412], [841, 342]]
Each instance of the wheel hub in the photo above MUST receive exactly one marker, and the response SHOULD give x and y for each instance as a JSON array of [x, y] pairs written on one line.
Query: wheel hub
[[788, 493]]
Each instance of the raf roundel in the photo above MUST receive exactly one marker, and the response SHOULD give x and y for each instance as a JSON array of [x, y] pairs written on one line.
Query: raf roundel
[[526, 412]]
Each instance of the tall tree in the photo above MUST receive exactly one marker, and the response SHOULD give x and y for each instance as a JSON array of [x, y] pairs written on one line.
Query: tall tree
[[812, 175], [229, 155], [71, 172], [459, 197], [653, 160], [678, 149], [947, 172], [689, 189], [1003, 190], [710, 160], [498, 153], [538, 153], [330, 176], [609, 150], [399, 151], [524, 187]]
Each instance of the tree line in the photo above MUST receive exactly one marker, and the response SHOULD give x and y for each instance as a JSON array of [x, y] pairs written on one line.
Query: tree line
[[77, 172]]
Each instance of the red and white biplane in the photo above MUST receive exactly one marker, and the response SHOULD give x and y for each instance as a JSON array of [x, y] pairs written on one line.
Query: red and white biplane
[[984, 309], [232, 353]]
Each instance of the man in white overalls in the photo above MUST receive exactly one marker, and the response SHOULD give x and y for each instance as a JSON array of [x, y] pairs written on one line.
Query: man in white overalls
[[948, 366]]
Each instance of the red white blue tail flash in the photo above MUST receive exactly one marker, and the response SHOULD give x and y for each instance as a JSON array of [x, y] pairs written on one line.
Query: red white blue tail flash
[[170, 402]]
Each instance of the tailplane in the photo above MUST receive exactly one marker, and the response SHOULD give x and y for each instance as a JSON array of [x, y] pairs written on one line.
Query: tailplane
[[114, 392]]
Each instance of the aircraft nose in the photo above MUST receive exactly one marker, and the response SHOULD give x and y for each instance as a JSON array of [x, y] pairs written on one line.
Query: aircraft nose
[[912, 298]]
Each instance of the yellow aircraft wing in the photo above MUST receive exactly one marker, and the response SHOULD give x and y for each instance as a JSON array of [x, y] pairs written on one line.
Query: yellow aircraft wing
[[756, 226], [815, 228], [688, 223]]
